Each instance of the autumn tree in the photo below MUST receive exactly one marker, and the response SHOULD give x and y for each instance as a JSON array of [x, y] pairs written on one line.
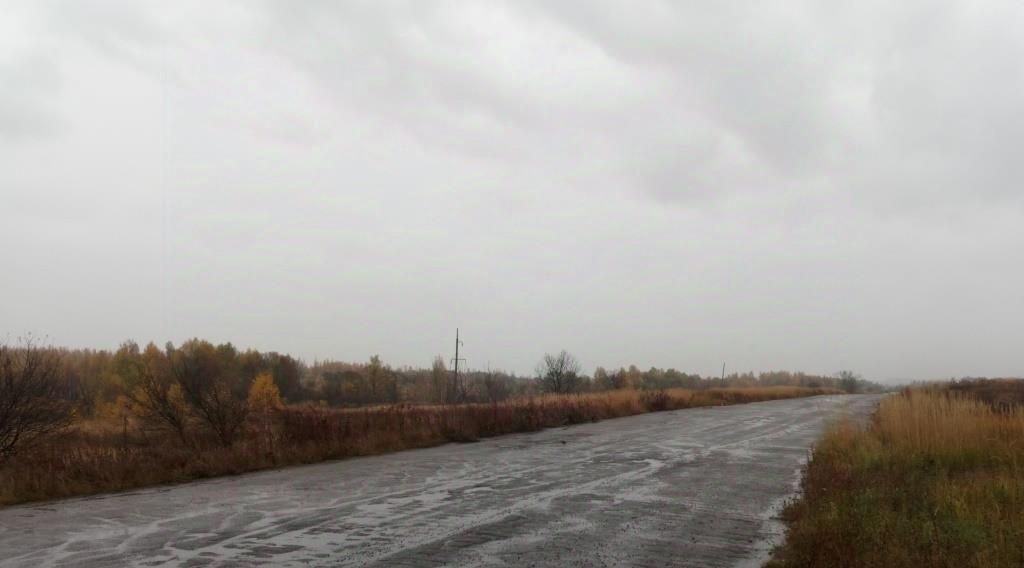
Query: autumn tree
[[287, 374], [264, 398], [440, 390], [155, 394], [344, 387], [212, 384], [31, 405], [674, 378], [285, 370], [632, 378], [382, 381], [848, 381], [375, 377], [493, 387], [559, 373], [85, 374]]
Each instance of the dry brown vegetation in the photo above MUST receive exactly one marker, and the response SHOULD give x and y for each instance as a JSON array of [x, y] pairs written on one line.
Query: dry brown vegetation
[[30, 404], [936, 479], [117, 453], [1002, 394]]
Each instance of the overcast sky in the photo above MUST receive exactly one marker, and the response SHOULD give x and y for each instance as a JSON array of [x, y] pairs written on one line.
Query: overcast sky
[[791, 185]]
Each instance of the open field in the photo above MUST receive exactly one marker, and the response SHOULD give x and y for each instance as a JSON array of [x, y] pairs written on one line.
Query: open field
[[936, 479], [695, 487], [110, 455]]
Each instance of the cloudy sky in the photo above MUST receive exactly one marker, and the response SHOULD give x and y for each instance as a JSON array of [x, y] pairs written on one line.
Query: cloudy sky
[[795, 186]]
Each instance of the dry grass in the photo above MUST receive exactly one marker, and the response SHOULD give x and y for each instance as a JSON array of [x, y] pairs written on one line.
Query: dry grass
[[937, 479], [1000, 393], [103, 456]]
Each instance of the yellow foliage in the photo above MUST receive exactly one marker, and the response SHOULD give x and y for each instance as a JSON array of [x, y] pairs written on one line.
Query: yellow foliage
[[117, 409], [141, 404], [264, 395], [177, 398]]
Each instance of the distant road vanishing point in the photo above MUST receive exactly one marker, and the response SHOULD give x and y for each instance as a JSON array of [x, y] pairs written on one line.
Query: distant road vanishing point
[[698, 487]]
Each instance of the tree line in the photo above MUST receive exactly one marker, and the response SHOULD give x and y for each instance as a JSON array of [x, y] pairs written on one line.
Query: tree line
[[201, 389]]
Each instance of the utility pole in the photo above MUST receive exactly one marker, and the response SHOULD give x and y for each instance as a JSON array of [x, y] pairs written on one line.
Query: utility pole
[[457, 392], [723, 371]]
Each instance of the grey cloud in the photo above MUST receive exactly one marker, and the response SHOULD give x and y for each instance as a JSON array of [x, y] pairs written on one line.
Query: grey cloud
[[116, 28], [28, 85], [808, 186], [808, 89]]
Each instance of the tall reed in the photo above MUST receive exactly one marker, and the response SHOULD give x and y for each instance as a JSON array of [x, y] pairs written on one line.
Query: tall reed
[[936, 479]]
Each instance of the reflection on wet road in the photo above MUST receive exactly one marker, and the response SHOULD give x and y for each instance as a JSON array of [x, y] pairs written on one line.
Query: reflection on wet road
[[692, 487]]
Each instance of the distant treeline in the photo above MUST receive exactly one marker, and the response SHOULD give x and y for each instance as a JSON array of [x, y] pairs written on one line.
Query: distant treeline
[[100, 381]]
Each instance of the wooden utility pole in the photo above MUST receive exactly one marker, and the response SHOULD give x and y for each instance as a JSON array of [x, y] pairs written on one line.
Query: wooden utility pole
[[723, 370]]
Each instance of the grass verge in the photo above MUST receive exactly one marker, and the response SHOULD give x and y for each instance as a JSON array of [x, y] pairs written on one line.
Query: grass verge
[[936, 479], [98, 456]]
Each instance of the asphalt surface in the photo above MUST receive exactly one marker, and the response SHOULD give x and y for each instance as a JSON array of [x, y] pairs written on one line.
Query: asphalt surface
[[698, 487]]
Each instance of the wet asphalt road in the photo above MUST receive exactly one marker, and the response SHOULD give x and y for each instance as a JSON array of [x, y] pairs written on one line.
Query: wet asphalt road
[[694, 487]]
